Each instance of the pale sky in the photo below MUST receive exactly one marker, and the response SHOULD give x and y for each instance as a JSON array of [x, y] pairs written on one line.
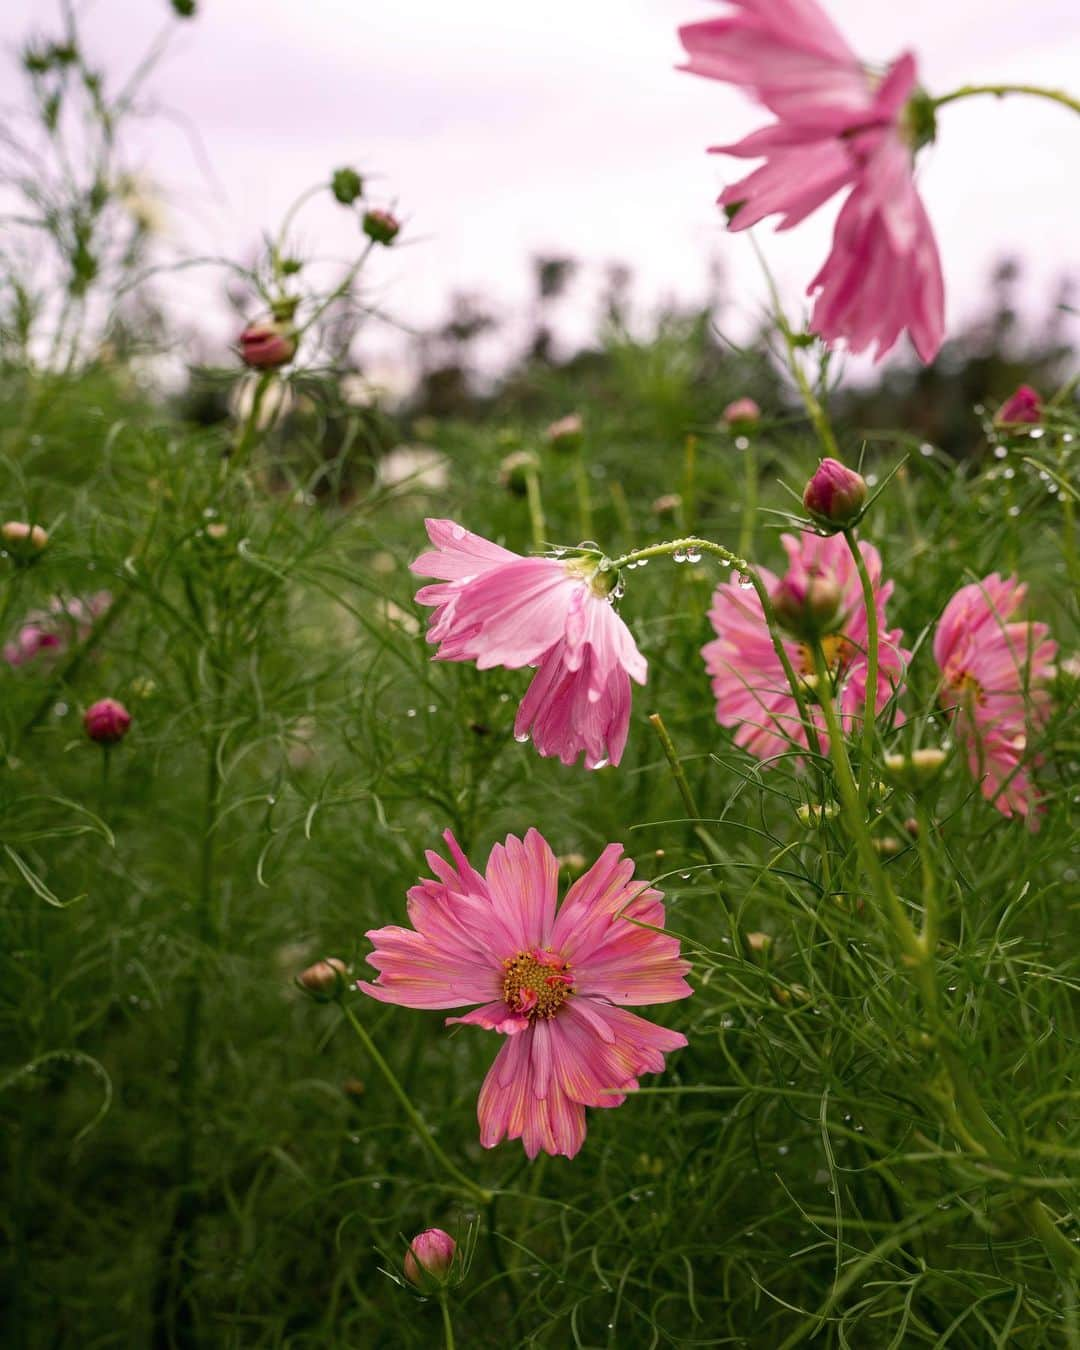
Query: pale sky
[[503, 129]]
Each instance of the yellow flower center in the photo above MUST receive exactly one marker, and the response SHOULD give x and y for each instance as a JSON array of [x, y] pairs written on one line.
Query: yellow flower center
[[536, 983], [837, 650]]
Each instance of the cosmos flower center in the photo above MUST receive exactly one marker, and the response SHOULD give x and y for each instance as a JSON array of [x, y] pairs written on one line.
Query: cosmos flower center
[[838, 651], [966, 687], [536, 983]]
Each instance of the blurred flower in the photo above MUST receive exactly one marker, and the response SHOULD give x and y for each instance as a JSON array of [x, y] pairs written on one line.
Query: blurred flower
[[429, 1262], [752, 692], [994, 674], [835, 495], [808, 607], [497, 608], [23, 538], [346, 185], [142, 203], [566, 434], [1025, 406], [55, 628], [838, 125], [742, 414], [393, 616], [324, 976], [514, 470], [381, 227], [418, 467], [106, 721], [667, 505], [217, 531], [914, 770], [552, 983], [267, 344], [278, 400]]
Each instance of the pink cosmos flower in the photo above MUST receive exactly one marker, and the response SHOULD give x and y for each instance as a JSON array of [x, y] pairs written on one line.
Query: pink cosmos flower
[[498, 608], [837, 127], [53, 629], [752, 692], [994, 673], [556, 984], [1023, 406]]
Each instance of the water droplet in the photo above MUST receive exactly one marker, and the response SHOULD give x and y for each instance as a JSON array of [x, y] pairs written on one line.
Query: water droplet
[[742, 443], [410, 712], [590, 544], [744, 581], [601, 763], [1000, 451], [1067, 438], [679, 556], [521, 737], [783, 1150], [1013, 511], [431, 707], [643, 562], [1008, 473], [60, 709], [1036, 433], [457, 532], [693, 555], [725, 562], [558, 552], [926, 449]]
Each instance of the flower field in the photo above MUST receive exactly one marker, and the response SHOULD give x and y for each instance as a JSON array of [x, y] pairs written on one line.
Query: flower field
[[587, 859]]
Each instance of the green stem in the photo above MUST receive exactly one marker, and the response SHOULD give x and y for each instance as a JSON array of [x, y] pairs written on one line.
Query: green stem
[[415, 1119], [251, 423], [872, 653], [447, 1325], [931, 908], [584, 499], [966, 1114], [536, 507], [1000, 90], [749, 510]]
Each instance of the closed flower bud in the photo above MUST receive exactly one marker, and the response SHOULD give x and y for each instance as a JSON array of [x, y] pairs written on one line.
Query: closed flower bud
[[346, 186], [514, 471], [1025, 406], [742, 415], [381, 227], [23, 538], [808, 607], [912, 771], [267, 345], [106, 721], [836, 495], [217, 530], [430, 1260], [566, 434], [324, 976], [667, 505]]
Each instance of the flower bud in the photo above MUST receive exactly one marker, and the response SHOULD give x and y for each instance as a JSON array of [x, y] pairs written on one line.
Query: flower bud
[[381, 227], [346, 186], [23, 538], [217, 530], [836, 495], [914, 770], [808, 606], [566, 434], [106, 721], [430, 1260], [324, 976], [1025, 406], [667, 505], [742, 415], [267, 345], [514, 471]]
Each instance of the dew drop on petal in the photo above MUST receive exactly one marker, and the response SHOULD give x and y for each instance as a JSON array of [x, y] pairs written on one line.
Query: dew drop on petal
[[521, 737]]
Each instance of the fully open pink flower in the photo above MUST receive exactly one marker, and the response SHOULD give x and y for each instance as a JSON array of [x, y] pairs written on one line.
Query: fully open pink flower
[[555, 983], [498, 608], [752, 692], [994, 671], [837, 127]]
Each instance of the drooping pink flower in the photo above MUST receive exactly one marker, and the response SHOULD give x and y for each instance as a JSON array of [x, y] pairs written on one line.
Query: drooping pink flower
[[994, 675], [837, 127], [556, 982], [497, 608], [54, 629], [752, 692]]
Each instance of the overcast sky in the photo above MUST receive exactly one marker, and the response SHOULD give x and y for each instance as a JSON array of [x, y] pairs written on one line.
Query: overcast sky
[[503, 129]]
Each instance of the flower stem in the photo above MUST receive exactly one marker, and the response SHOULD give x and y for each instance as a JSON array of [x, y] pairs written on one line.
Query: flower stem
[[415, 1119], [960, 1101], [873, 639], [448, 1326], [1000, 90], [536, 507], [250, 428]]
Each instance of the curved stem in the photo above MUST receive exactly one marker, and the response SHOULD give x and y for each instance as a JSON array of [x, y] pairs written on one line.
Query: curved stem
[[872, 646], [1000, 90], [415, 1118]]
